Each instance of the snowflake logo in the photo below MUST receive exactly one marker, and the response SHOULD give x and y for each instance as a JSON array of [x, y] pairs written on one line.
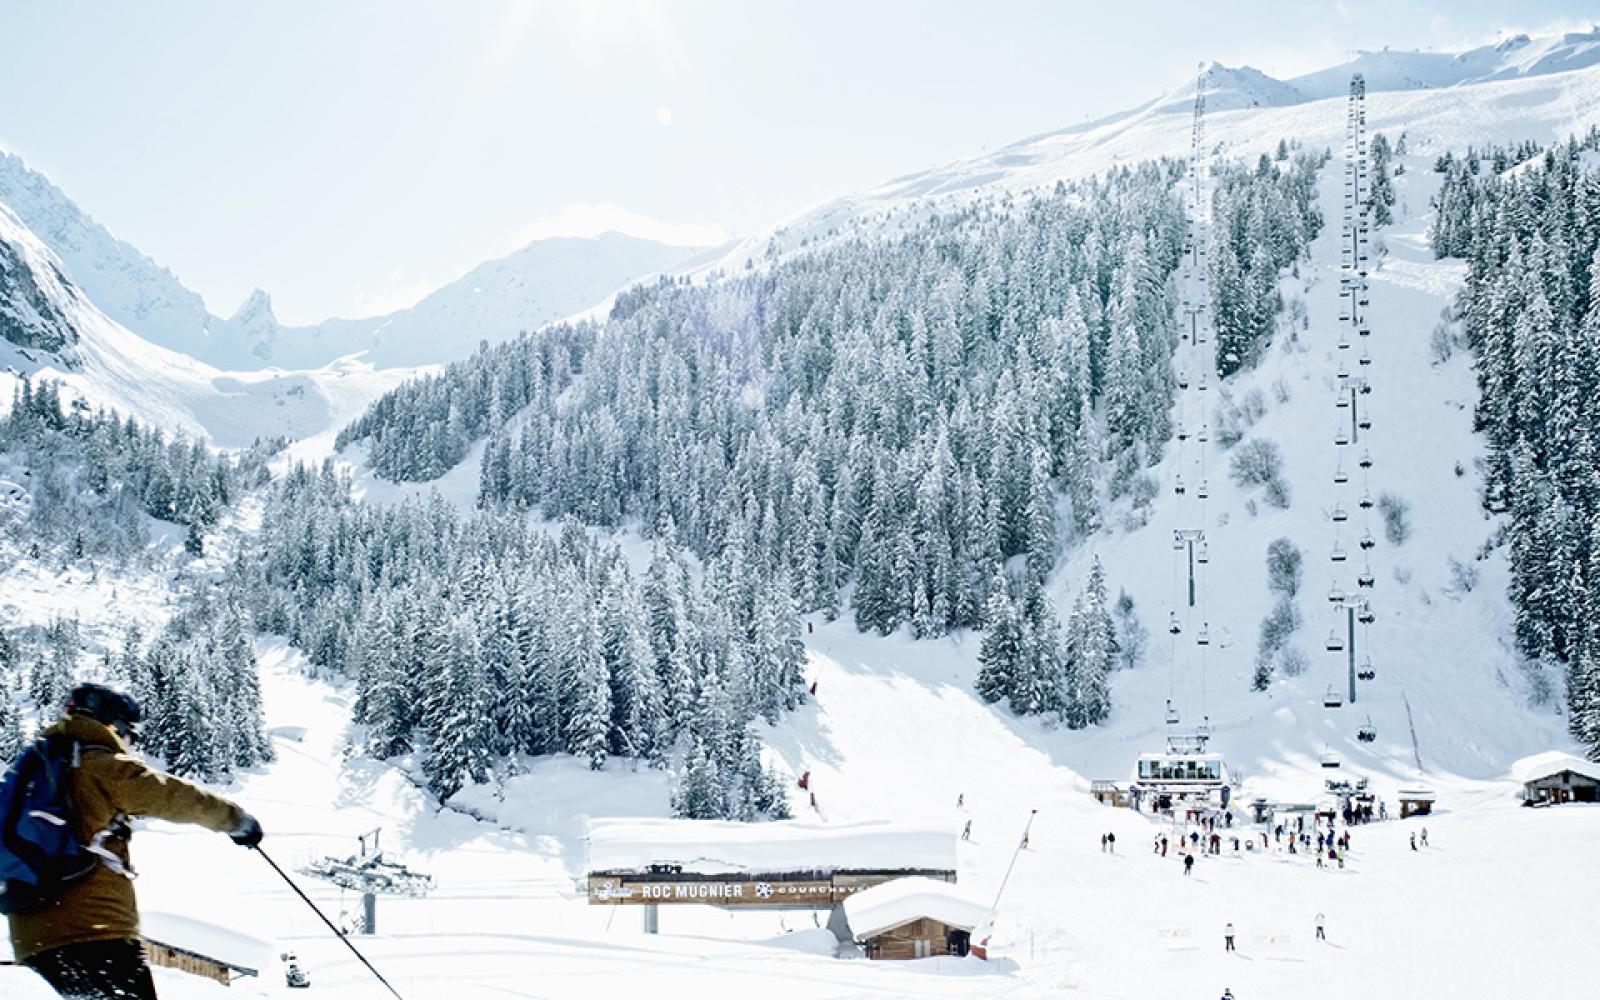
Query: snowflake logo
[[763, 890]]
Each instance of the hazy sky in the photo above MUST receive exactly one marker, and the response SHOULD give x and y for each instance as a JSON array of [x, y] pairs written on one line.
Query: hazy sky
[[350, 155]]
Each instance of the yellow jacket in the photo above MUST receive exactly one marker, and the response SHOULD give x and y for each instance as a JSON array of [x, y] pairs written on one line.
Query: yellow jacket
[[109, 780]]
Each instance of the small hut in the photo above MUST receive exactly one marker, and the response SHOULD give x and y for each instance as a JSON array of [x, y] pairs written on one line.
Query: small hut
[[200, 949], [1555, 778], [1416, 801], [1109, 793], [913, 917]]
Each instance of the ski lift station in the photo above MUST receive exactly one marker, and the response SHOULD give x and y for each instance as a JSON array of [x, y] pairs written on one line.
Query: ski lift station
[[786, 865], [1186, 771]]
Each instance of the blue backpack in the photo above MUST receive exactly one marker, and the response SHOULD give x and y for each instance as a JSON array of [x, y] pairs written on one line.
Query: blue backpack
[[40, 856]]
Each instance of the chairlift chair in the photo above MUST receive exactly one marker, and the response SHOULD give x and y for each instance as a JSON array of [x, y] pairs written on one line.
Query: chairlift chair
[[1368, 543], [1367, 617], [1202, 437], [1329, 759], [1202, 376], [1365, 359], [1335, 595], [1172, 714], [1338, 554], [1203, 730], [1335, 641], [1177, 486], [1177, 542], [1365, 423], [1332, 699], [1203, 637], [1366, 579], [1341, 437], [1183, 434], [1343, 402], [1367, 733], [1183, 377], [1172, 623], [1366, 501], [1344, 341], [1343, 374], [1339, 513], [1364, 330], [1340, 477], [1202, 493], [1366, 460], [1203, 554]]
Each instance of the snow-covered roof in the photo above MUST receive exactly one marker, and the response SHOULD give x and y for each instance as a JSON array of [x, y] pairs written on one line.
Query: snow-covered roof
[[1543, 765], [887, 906], [621, 844], [226, 946]]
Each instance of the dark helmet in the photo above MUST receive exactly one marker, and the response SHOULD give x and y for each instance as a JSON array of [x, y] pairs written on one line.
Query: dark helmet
[[106, 705]]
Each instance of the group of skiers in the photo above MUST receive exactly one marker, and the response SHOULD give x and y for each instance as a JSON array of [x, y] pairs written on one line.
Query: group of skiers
[[68, 891], [1327, 847]]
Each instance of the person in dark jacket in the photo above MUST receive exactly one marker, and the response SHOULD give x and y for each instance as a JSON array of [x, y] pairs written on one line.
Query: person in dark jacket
[[86, 944]]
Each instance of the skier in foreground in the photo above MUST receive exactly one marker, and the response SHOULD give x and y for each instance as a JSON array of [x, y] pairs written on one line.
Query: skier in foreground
[[86, 942]]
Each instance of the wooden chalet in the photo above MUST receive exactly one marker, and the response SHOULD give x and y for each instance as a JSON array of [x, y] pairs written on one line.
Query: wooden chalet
[[1416, 801], [1556, 778], [913, 918], [1109, 793], [170, 956]]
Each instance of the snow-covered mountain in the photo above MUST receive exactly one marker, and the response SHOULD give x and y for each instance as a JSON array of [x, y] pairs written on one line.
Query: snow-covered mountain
[[1521, 88], [49, 328], [543, 281]]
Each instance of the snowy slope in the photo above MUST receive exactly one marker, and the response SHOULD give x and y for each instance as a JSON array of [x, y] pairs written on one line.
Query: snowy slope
[[1511, 58], [1542, 89], [107, 365], [507, 919], [546, 280]]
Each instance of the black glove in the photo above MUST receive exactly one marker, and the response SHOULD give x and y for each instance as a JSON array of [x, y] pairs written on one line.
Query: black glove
[[248, 832]]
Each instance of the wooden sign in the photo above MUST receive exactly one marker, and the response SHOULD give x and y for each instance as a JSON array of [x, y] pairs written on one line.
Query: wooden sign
[[734, 889]]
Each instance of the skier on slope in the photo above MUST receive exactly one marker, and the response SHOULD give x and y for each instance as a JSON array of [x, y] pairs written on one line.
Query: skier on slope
[[1188, 864], [86, 942], [1321, 931], [1227, 937]]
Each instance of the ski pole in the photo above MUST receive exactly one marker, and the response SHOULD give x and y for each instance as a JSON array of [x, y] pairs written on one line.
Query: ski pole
[[314, 909]]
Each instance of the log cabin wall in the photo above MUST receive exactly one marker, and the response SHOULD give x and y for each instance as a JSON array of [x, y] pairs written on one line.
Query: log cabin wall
[[168, 957], [921, 938]]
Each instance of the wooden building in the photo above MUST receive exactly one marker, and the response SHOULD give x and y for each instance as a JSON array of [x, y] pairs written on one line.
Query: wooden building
[[1109, 793], [1556, 778], [913, 918], [168, 956], [1416, 801], [651, 862], [202, 951]]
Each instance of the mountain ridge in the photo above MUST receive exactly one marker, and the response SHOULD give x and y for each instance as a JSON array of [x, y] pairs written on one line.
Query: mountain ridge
[[542, 281]]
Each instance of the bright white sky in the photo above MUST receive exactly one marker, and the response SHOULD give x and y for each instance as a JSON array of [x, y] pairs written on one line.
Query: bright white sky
[[351, 155]]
